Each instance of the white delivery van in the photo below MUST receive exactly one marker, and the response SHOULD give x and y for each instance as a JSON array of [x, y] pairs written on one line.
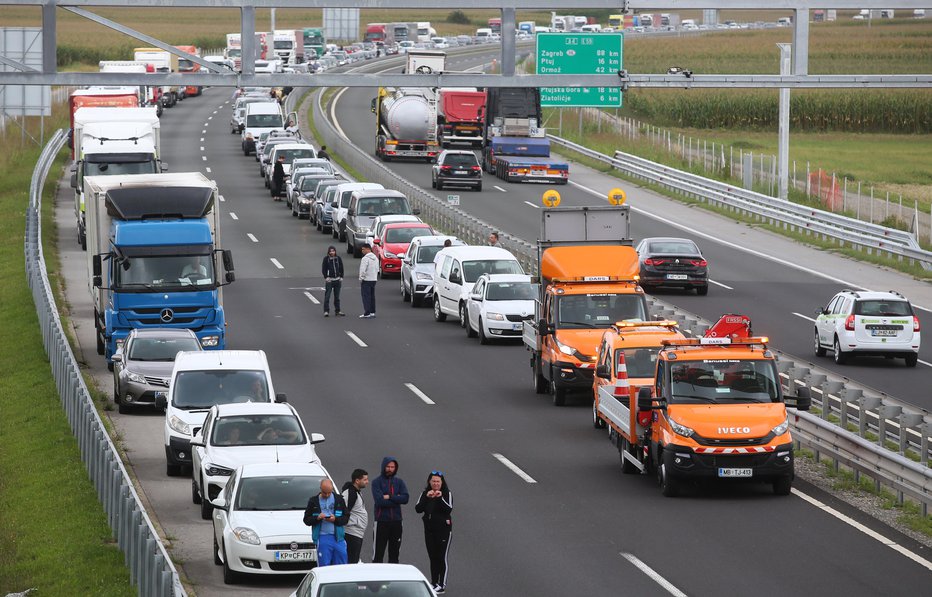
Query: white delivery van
[[457, 270]]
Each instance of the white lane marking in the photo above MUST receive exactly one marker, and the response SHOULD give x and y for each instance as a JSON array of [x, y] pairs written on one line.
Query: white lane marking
[[869, 532], [806, 317], [652, 574], [204, 157], [221, 196], [356, 339], [311, 298], [725, 286], [276, 263], [500, 188], [414, 389], [252, 237], [202, 140], [206, 124], [209, 118], [737, 246], [513, 468], [234, 216], [202, 147], [333, 112], [534, 205], [926, 363], [215, 111], [207, 168], [205, 130]]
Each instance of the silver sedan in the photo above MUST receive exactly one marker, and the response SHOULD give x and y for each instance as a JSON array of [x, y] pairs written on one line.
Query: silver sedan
[[142, 366]]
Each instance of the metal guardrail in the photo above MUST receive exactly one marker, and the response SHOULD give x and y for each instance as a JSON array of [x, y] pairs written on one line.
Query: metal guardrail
[[877, 414], [898, 244], [151, 568]]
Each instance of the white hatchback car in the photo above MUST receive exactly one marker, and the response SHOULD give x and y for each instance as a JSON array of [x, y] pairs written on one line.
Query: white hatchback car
[[259, 520], [870, 324], [498, 305], [457, 270], [417, 267], [238, 434], [365, 579]]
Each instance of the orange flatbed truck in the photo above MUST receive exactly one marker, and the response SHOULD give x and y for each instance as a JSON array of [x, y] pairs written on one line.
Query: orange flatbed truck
[[588, 281], [715, 410]]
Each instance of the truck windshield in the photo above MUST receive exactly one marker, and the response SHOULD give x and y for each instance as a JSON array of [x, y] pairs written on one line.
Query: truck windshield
[[284, 45], [203, 389], [473, 269], [639, 362], [724, 381], [599, 310], [270, 121], [234, 53], [142, 163], [179, 272], [511, 291]]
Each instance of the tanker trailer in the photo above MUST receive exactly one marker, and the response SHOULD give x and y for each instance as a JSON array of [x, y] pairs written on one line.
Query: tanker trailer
[[406, 124]]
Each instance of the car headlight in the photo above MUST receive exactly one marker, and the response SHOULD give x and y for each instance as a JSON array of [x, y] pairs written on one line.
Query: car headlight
[[782, 427], [680, 429], [569, 350], [303, 200], [424, 276], [210, 341], [178, 425], [246, 535], [390, 255], [134, 377], [500, 317], [363, 230], [215, 470]]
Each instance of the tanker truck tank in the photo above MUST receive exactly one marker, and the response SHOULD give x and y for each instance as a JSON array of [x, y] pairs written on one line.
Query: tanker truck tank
[[406, 115], [407, 124]]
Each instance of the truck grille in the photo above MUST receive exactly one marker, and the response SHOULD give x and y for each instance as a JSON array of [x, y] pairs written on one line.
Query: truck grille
[[158, 310], [732, 442]]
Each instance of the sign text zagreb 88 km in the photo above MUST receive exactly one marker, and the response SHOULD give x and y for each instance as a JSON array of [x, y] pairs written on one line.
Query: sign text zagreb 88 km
[[579, 54]]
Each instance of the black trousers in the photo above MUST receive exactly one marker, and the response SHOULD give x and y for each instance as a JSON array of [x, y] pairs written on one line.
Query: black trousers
[[438, 545], [353, 548], [387, 534]]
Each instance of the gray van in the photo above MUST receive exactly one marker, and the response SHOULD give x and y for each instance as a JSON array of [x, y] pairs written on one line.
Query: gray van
[[364, 207]]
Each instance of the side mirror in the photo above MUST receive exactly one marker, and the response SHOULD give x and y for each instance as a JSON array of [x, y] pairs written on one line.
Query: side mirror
[[645, 402], [802, 401], [351, 212], [98, 271], [415, 212], [317, 438], [820, 311], [74, 180], [542, 328], [372, 105], [476, 297], [602, 372], [164, 167], [161, 402], [230, 277], [227, 260], [198, 440], [281, 397], [376, 241], [220, 503], [117, 357]]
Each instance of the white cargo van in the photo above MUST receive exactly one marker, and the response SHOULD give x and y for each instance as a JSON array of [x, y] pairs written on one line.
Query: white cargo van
[[263, 117], [457, 270]]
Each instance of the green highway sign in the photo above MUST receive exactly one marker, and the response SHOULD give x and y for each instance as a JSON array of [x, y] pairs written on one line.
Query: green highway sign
[[580, 54]]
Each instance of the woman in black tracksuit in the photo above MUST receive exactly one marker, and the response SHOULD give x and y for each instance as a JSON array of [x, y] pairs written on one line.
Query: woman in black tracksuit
[[436, 504]]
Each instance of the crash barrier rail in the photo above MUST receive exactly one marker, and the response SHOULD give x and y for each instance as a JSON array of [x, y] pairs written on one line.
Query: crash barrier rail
[[896, 244], [150, 566], [839, 400]]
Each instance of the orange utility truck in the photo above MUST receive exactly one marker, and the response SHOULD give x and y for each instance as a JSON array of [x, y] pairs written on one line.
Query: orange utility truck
[[715, 410], [588, 281], [186, 65]]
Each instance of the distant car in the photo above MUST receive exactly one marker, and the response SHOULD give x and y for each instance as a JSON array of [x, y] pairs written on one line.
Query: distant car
[[304, 193], [258, 520], [142, 365], [417, 267], [393, 243], [869, 324], [238, 434], [456, 167], [379, 223], [322, 214], [403, 580], [673, 262], [498, 305]]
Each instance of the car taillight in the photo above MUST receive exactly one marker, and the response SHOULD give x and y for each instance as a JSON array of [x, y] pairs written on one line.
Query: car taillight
[[476, 169], [445, 168], [650, 261], [699, 262], [915, 323], [849, 323]]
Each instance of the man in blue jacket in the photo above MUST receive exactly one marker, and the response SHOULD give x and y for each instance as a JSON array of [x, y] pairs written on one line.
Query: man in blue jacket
[[388, 494], [327, 514]]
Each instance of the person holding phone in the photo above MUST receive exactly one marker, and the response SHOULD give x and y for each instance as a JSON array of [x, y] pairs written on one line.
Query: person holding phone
[[327, 514], [436, 505]]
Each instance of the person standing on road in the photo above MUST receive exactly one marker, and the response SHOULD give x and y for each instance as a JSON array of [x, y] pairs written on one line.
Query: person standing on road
[[278, 178], [389, 493], [436, 504], [368, 275], [323, 153], [493, 239], [332, 271], [358, 516], [327, 514]]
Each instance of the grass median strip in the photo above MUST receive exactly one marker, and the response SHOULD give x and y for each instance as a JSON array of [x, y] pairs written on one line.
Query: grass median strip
[[53, 531]]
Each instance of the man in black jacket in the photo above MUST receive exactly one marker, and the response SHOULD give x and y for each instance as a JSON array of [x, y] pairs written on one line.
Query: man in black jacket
[[278, 178], [332, 271], [327, 514]]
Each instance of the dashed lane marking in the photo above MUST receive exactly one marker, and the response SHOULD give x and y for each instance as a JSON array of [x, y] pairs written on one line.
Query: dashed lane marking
[[534, 205], [311, 297], [252, 237], [500, 189], [276, 263], [653, 574], [234, 216], [356, 339], [414, 389], [513, 468], [725, 286], [208, 171]]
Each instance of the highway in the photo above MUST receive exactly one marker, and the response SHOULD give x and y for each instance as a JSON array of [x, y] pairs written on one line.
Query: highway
[[580, 528]]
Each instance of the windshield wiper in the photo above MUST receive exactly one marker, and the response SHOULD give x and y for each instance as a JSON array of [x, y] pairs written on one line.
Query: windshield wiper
[[202, 408], [146, 285], [583, 323], [694, 397]]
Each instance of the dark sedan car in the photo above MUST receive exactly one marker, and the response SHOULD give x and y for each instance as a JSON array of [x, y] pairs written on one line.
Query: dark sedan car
[[673, 262], [456, 168]]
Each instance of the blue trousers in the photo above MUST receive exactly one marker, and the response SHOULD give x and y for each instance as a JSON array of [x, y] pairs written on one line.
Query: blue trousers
[[368, 296], [329, 551]]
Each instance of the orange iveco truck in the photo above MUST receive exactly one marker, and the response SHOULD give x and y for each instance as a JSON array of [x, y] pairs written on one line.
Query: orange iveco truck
[[715, 410], [588, 281]]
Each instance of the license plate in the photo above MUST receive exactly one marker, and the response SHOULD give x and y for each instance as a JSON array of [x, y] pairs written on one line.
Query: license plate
[[296, 556], [735, 472], [161, 394], [518, 326], [538, 173], [677, 277], [460, 172], [883, 332]]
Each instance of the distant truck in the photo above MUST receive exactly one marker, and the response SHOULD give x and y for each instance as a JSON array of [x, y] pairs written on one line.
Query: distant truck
[[527, 26], [162, 62], [406, 117], [647, 20], [669, 20], [425, 32], [715, 409], [189, 66], [234, 50], [152, 261], [459, 115], [112, 141], [525, 159], [588, 282], [149, 95], [314, 43], [285, 44], [383, 33], [124, 97]]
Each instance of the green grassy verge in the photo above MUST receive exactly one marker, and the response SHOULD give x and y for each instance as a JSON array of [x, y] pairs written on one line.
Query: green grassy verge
[[328, 96], [67, 549]]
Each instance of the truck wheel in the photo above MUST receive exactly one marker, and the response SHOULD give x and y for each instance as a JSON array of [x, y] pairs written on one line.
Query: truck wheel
[[439, 315], [783, 485], [541, 385], [101, 348], [669, 487], [627, 468], [598, 423], [559, 394]]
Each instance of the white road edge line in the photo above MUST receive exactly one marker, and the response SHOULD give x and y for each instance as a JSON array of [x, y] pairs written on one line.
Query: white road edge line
[[311, 297], [534, 205], [500, 188], [513, 467], [417, 392], [725, 286], [356, 339], [234, 216], [276, 263], [204, 157], [215, 111], [867, 531], [719, 240], [652, 574], [252, 237], [806, 317], [207, 168], [205, 130], [926, 363], [202, 140], [202, 148]]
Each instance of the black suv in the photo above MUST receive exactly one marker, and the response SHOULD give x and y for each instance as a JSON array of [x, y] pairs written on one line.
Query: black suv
[[456, 168]]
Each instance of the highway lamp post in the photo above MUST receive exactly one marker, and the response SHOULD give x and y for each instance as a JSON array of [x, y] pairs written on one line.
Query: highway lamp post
[[784, 121]]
